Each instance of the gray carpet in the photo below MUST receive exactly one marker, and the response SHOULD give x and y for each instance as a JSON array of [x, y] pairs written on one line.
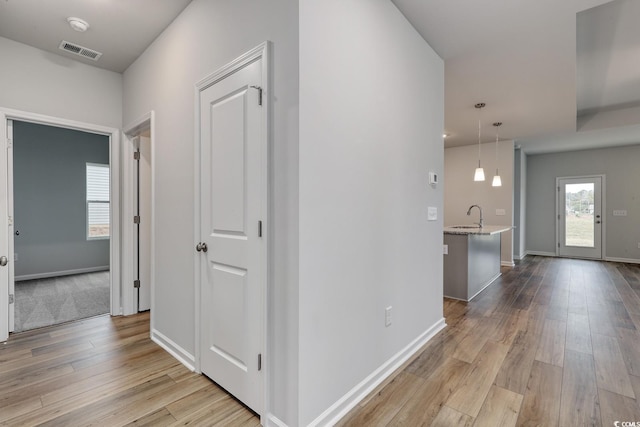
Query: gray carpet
[[45, 302]]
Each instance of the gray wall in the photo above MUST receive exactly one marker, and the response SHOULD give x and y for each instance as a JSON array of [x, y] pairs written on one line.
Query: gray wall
[[622, 191], [50, 199]]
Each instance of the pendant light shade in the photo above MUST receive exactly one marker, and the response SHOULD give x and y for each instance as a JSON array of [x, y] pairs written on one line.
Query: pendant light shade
[[479, 174], [497, 181]]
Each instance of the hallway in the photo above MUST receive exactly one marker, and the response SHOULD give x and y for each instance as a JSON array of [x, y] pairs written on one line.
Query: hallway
[[552, 342]]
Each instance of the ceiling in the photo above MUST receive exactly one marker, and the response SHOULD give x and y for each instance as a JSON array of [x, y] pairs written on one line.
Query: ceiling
[[538, 65], [120, 29], [559, 74]]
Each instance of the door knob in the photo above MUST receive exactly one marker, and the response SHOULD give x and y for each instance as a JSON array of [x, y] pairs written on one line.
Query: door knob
[[3, 261], [201, 247], [17, 232]]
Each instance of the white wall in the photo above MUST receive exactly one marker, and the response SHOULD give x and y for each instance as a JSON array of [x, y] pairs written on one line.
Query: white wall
[[622, 192], [460, 191], [519, 203], [371, 122], [205, 37], [36, 81]]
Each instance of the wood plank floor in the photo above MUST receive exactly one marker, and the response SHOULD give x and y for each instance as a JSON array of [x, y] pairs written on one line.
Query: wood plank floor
[[106, 371], [553, 342]]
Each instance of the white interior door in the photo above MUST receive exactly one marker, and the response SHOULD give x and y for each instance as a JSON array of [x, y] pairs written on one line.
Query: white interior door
[[4, 231], [233, 276], [580, 217], [144, 237]]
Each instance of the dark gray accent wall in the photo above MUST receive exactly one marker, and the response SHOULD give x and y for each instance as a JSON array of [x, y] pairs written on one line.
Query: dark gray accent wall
[[621, 188], [50, 199]]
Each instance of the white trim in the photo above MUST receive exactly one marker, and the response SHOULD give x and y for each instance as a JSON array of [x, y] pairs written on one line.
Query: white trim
[[347, 402], [61, 273], [131, 131], [114, 162], [273, 421], [173, 349], [260, 52], [541, 253], [507, 264], [623, 260]]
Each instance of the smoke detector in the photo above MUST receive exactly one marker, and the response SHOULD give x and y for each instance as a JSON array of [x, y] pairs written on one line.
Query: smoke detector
[[78, 24]]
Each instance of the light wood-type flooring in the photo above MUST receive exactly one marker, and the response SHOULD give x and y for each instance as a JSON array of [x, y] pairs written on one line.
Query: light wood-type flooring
[[553, 342], [105, 371]]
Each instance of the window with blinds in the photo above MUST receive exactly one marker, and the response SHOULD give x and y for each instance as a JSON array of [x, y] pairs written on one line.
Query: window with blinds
[[97, 201]]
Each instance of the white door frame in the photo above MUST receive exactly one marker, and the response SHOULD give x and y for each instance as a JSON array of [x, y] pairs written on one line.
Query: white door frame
[[114, 167], [262, 51], [131, 131], [603, 210]]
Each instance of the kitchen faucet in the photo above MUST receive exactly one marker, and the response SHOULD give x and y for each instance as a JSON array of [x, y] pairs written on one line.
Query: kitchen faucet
[[481, 223]]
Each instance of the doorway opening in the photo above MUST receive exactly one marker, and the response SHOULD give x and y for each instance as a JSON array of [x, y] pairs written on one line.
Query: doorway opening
[[579, 219], [138, 188]]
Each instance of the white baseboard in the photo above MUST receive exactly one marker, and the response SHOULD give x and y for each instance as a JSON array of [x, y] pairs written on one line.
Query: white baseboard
[[507, 263], [273, 421], [541, 253], [624, 260], [60, 273], [347, 402], [174, 349]]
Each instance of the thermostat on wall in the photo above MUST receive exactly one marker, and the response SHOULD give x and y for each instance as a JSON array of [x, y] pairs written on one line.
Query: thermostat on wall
[[433, 178]]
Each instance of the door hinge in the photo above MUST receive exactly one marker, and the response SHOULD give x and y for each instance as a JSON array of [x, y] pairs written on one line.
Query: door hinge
[[11, 298], [9, 143], [136, 155], [259, 94], [259, 228], [558, 216], [136, 284], [558, 244], [136, 219], [260, 362], [558, 189]]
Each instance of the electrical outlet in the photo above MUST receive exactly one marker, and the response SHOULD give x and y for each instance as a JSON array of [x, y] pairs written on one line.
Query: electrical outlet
[[620, 212], [501, 212], [445, 249], [387, 316]]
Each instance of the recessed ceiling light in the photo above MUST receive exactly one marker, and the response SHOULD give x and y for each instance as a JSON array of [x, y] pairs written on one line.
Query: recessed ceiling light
[[78, 24]]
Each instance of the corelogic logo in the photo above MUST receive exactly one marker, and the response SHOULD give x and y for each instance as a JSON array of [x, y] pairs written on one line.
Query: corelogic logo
[[626, 423]]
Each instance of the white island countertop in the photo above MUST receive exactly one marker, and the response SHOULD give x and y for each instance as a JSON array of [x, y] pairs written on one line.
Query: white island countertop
[[487, 230]]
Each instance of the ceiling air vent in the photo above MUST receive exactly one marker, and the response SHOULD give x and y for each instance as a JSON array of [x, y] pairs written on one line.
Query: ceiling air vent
[[80, 50]]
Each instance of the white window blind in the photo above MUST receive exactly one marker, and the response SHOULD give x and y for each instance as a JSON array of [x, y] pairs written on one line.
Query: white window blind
[[97, 201]]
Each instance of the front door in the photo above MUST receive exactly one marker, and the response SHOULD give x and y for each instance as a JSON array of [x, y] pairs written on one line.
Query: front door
[[233, 276], [580, 217]]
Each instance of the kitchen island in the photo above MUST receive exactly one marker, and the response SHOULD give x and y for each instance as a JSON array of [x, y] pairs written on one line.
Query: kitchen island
[[472, 259]]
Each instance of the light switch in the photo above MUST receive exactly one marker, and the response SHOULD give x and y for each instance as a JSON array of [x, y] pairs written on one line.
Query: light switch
[[445, 249], [432, 213], [621, 212], [501, 212]]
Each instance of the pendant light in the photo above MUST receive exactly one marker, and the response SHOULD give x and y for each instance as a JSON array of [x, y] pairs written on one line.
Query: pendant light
[[497, 182], [479, 175]]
